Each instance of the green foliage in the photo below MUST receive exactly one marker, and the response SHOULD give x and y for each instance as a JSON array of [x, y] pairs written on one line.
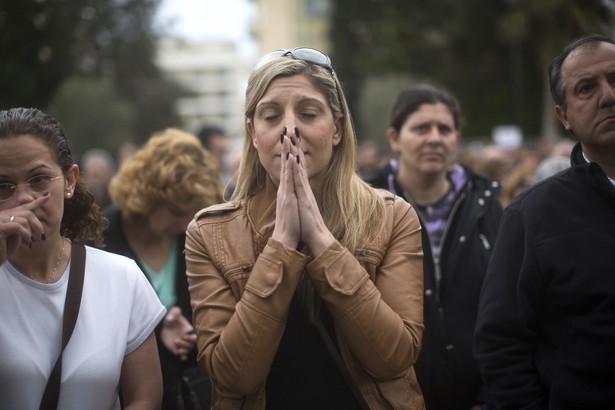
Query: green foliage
[[491, 54], [34, 49], [375, 104], [77, 105], [45, 42]]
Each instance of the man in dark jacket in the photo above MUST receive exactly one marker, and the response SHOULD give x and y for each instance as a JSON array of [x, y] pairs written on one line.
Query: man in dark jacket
[[460, 214], [545, 335]]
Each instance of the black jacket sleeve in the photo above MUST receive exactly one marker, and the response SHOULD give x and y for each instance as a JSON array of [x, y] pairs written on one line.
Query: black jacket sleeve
[[506, 336]]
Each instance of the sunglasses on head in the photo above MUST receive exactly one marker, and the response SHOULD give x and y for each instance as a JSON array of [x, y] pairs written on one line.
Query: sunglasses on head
[[309, 55]]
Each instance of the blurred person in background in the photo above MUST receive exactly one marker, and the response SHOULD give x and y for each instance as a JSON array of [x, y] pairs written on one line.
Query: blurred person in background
[[557, 160], [155, 194], [460, 215], [520, 178], [98, 169], [215, 140]]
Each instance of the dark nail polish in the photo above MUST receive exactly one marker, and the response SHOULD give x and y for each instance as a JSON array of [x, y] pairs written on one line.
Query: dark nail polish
[[282, 139], [287, 155], [298, 161], [284, 131], [43, 236], [293, 140]]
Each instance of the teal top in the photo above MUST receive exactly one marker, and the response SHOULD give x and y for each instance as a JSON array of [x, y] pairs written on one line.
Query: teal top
[[163, 281]]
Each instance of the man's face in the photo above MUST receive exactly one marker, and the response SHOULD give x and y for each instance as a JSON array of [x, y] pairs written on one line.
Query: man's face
[[588, 74]]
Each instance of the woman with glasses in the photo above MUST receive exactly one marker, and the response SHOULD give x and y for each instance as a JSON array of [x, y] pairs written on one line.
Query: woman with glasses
[[307, 286], [46, 211]]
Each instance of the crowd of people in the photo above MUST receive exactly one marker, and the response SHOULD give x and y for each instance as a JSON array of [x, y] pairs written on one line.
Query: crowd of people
[[442, 276]]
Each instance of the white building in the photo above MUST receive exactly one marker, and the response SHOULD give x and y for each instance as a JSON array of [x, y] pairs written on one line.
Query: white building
[[215, 72], [214, 76]]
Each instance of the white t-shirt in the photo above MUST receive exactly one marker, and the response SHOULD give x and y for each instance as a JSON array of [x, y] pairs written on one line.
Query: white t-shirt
[[119, 310]]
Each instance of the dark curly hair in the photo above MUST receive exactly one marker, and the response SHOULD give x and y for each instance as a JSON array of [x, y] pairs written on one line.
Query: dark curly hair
[[82, 220]]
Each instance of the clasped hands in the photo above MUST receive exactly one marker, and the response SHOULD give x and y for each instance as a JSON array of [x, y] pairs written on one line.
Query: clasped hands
[[298, 217]]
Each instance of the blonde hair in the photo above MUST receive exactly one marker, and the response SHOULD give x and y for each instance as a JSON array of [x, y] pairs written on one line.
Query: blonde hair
[[173, 168], [351, 209]]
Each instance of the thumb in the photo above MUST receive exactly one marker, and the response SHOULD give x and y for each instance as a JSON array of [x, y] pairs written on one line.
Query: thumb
[[173, 313]]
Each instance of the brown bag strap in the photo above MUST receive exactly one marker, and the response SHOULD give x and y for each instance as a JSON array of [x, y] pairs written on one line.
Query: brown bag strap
[[71, 311]]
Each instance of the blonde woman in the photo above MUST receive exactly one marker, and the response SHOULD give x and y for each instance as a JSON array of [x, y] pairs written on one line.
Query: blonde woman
[[306, 287], [155, 194]]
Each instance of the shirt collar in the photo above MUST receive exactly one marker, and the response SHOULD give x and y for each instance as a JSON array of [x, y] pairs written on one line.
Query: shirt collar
[[588, 161]]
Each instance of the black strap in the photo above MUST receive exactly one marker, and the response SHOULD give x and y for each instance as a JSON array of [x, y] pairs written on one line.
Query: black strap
[[340, 363], [71, 311]]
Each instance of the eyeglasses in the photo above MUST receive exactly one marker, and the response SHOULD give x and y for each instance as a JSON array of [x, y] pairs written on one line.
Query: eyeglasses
[[37, 184], [309, 55]]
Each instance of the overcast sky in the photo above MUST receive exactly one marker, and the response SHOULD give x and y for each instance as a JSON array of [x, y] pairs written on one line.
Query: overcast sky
[[208, 19]]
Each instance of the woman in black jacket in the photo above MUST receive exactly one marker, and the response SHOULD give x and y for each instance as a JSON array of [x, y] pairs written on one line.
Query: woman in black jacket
[[460, 214]]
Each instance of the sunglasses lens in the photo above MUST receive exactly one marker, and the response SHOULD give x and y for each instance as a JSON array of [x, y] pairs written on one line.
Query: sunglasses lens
[[268, 57], [306, 54], [312, 56]]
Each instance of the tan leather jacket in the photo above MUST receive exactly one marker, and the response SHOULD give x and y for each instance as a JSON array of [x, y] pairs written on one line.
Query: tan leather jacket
[[241, 283]]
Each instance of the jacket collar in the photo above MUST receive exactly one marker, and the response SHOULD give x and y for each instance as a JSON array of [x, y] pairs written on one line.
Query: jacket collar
[[592, 172]]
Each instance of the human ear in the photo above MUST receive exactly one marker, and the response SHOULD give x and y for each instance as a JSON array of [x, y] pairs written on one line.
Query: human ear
[[339, 130], [71, 180], [392, 137], [250, 128], [562, 116]]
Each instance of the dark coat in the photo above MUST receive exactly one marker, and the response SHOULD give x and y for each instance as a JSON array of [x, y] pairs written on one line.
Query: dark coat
[[172, 367], [446, 369], [545, 334]]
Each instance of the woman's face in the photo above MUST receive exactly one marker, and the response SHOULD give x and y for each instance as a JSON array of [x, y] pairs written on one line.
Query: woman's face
[[25, 157], [427, 141], [293, 102], [167, 220]]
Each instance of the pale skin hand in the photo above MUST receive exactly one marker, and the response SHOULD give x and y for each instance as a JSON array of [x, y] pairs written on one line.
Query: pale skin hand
[[177, 333], [24, 227], [287, 225], [297, 215]]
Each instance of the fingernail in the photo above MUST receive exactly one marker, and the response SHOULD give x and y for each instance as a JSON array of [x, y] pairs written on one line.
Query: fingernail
[[293, 140], [284, 131], [287, 154], [282, 139], [43, 236], [298, 161], [297, 132]]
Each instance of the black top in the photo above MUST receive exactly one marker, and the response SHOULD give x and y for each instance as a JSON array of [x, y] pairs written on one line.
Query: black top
[[303, 374]]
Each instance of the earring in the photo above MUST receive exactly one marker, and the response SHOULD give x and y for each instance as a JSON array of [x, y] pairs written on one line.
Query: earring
[[68, 194]]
